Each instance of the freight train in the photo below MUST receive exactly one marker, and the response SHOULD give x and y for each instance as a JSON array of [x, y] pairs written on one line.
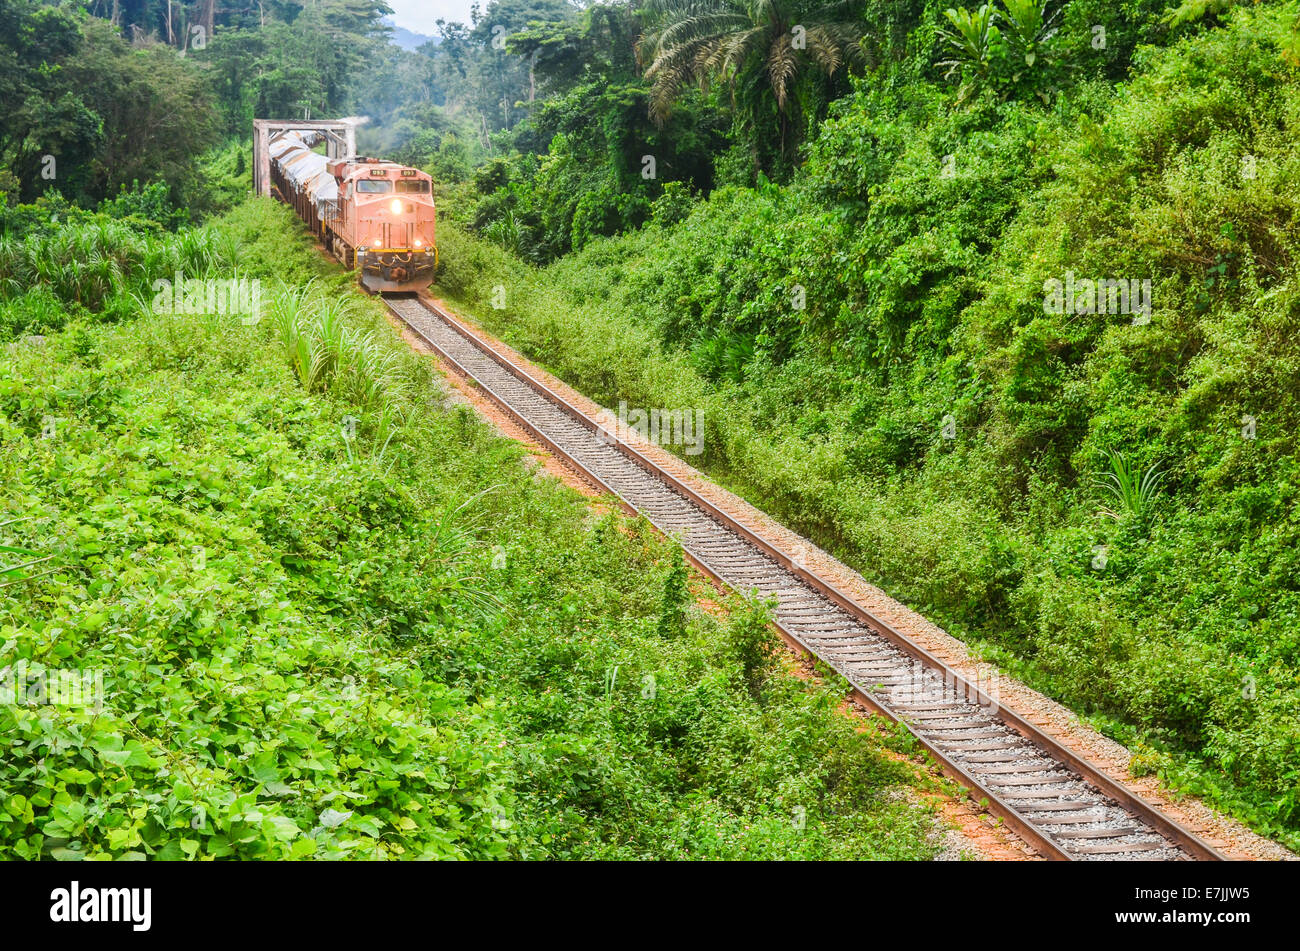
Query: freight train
[[376, 217]]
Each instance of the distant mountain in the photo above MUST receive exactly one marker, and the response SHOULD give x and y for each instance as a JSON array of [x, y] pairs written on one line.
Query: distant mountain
[[405, 38]]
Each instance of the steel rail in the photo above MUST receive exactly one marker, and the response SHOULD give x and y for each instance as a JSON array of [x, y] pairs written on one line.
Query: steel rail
[[1032, 831]]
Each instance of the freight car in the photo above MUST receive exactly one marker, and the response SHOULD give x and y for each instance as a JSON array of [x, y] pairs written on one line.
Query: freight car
[[376, 217]]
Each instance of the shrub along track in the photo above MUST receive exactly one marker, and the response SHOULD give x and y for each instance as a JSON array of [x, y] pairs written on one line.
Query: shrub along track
[[1058, 802]]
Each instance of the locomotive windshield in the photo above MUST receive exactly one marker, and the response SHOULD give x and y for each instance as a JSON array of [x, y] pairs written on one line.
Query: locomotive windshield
[[373, 186], [414, 187]]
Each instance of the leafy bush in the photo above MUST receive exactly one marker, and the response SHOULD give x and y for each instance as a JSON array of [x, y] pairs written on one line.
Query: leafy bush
[[591, 164], [150, 203]]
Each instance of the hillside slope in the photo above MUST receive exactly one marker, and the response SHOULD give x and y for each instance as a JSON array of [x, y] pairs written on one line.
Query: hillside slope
[[887, 360], [337, 618]]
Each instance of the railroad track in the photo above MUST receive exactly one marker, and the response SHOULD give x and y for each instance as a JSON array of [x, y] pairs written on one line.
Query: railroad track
[[1063, 806]]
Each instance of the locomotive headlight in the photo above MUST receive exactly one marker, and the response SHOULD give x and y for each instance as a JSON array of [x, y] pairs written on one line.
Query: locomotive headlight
[[419, 243], [378, 243], [396, 205]]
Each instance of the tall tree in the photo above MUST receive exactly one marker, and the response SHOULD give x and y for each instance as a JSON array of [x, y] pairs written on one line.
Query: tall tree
[[156, 111], [41, 112]]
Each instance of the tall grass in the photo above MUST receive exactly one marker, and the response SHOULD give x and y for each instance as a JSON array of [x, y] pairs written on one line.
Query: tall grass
[[1134, 494], [87, 263], [101, 266], [329, 353]]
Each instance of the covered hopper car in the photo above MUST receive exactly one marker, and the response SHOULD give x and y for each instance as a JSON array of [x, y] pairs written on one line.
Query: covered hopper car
[[376, 217]]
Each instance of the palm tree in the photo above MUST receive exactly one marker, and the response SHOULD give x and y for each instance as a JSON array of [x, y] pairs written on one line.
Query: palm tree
[[763, 50]]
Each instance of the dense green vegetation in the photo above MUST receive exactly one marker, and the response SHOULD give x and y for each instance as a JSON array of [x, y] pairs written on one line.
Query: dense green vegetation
[[927, 415], [336, 617], [848, 233], [84, 113]]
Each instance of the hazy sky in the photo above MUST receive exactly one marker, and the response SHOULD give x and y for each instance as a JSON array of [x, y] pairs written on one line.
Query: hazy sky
[[419, 16]]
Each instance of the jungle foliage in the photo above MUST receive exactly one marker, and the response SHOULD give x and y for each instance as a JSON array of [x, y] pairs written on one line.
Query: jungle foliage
[[1106, 502], [85, 113], [334, 616], [841, 253]]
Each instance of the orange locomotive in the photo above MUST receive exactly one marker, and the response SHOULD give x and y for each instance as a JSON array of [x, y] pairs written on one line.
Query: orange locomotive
[[375, 216]]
